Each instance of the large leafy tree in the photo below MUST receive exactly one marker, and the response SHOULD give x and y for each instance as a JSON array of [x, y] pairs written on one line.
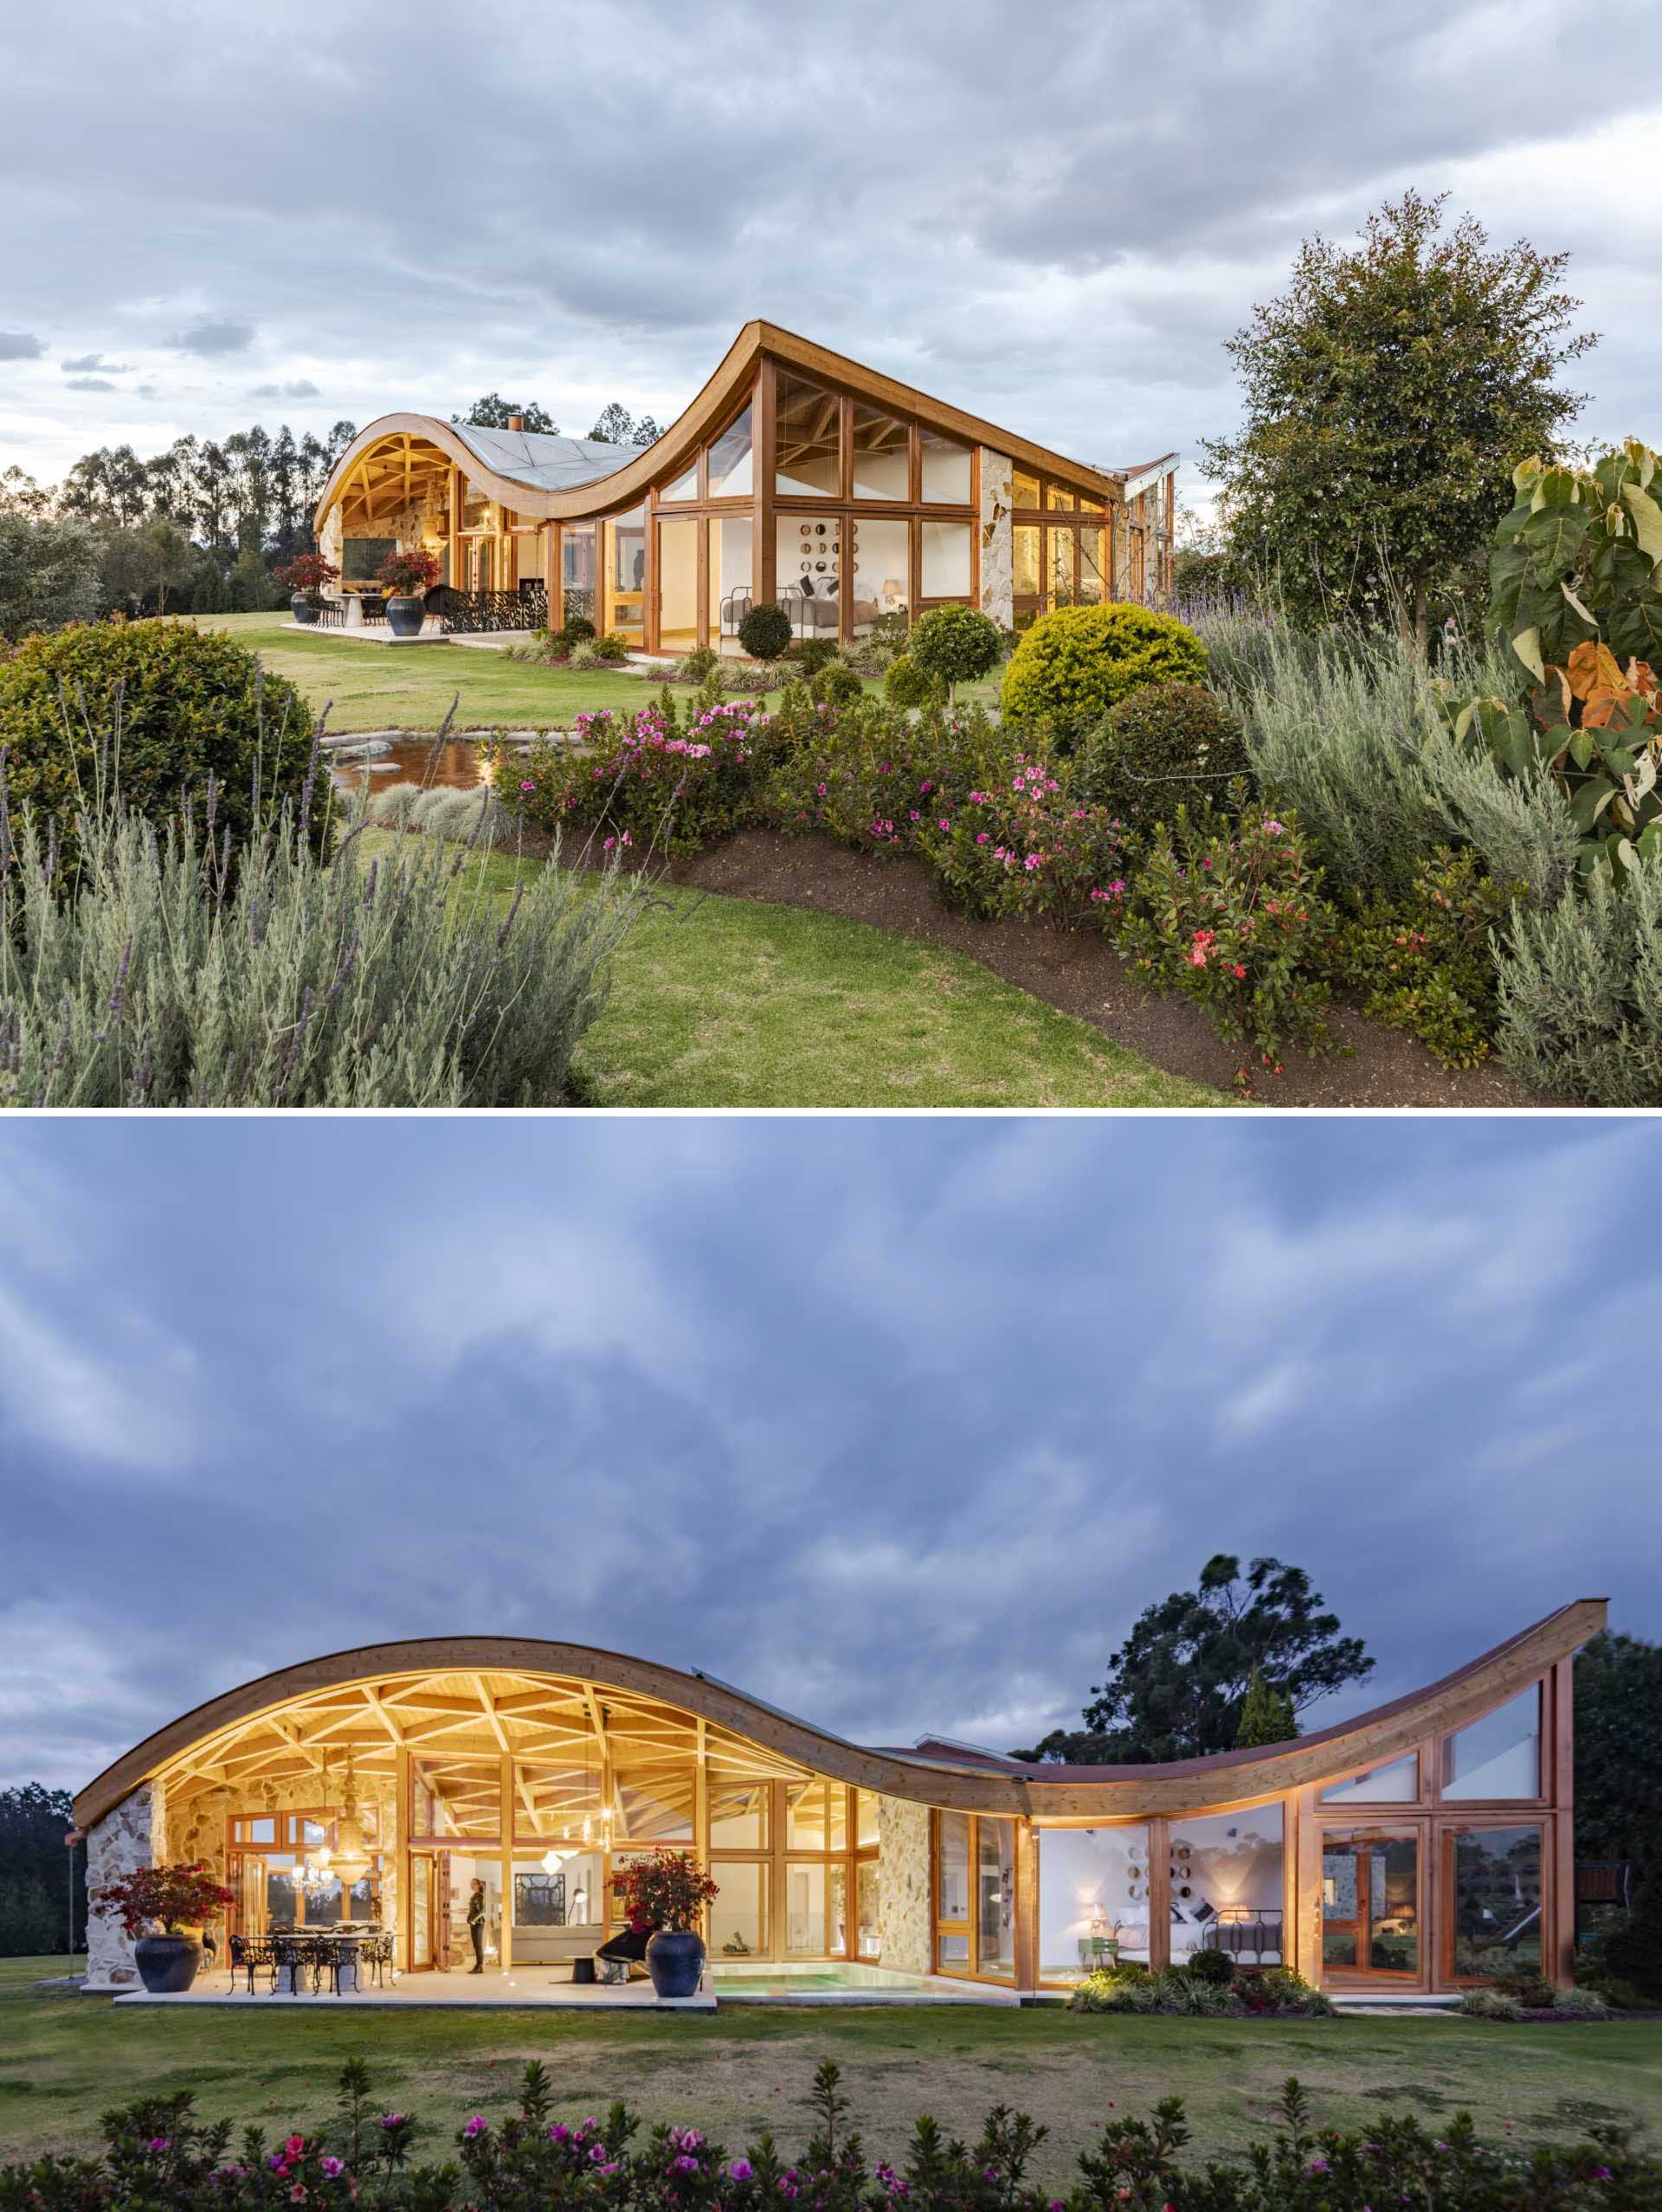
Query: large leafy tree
[[38, 1886], [1178, 1686], [1389, 392], [492, 413], [1619, 1751]]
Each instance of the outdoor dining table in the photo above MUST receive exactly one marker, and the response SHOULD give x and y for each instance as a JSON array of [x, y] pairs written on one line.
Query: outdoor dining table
[[291, 1963]]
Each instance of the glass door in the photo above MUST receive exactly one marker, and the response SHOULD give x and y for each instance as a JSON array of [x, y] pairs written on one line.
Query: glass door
[[1370, 1905]]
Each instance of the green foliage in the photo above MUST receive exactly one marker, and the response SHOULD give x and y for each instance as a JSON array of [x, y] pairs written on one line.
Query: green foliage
[[1579, 991], [1217, 1966], [250, 588], [695, 666], [955, 644], [1633, 1952], [1619, 1751], [1227, 913], [1163, 744], [1425, 963], [1266, 1714], [833, 685], [905, 684], [159, 709], [764, 633], [49, 574], [1176, 1687], [808, 655], [605, 650], [1490, 2004], [1075, 663], [1208, 1987], [37, 1891], [1388, 393], [163, 980], [492, 413], [1575, 604]]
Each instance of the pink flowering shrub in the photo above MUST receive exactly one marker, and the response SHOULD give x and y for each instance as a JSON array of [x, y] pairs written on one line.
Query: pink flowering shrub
[[1028, 845], [1228, 914], [666, 779]]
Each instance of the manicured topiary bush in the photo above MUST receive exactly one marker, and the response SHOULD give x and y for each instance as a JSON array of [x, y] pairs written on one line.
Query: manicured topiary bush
[[157, 709], [1074, 665], [765, 632], [955, 644], [1213, 1966], [1161, 744], [906, 685], [833, 685]]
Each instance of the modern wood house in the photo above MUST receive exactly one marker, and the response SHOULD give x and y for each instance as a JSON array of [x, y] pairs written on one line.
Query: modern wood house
[[1418, 1847], [795, 475]]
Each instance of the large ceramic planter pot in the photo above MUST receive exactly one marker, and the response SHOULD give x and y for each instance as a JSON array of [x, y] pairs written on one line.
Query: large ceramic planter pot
[[167, 1964], [404, 616], [675, 1962], [304, 609]]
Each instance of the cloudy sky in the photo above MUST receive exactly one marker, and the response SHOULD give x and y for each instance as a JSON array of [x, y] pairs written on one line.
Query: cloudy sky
[[1053, 215], [897, 1423]]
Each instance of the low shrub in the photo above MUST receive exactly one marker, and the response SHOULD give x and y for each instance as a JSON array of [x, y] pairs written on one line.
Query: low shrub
[[1278, 1990], [1024, 848], [161, 980], [1425, 963], [833, 684], [695, 668], [954, 645], [1072, 665], [1490, 2004], [1579, 2003], [465, 817], [157, 2152], [906, 685], [808, 655], [1213, 1966], [1164, 744], [1227, 913], [159, 711], [764, 633], [664, 779], [1580, 995], [1182, 1990]]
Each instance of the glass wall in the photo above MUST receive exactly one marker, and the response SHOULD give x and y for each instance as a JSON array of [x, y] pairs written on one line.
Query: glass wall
[[730, 577], [1498, 1756], [1495, 1876], [732, 474], [952, 1952], [996, 1897], [678, 585], [738, 1916], [624, 574], [881, 552], [807, 440], [882, 455], [1226, 1885], [947, 474], [578, 571], [975, 1895], [946, 560], [1093, 1899], [1397, 1783], [807, 573], [1371, 1904]]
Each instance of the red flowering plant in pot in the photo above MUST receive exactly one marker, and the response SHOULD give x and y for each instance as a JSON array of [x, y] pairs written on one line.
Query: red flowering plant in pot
[[159, 1908], [305, 577], [407, 575], [667, 1891]]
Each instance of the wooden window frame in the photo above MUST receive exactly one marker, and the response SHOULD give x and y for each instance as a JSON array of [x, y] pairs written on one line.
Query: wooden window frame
[[938, 1927], [1450, 1830]]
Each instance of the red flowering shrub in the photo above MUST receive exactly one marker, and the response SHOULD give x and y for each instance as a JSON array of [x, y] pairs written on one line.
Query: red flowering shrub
[[1229, 915], [408, 573], [667, 778], [183, 1896], [663, 1889], [306, 572]]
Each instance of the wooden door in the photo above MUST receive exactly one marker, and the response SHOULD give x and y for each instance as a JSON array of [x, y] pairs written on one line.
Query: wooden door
[[442, 1911], [1372, 1908]]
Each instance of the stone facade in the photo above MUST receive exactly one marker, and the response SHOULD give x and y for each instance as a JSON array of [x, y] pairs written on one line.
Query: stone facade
[[904, 1905], [997, 555], [130, 1837], [330, 542]]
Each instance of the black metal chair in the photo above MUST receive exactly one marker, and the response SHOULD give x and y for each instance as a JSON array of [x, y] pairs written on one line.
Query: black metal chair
[[375, 1956]]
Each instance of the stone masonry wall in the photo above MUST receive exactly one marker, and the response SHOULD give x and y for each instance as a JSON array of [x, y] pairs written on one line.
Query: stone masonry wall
[[904, 1894], [997, 551], [129, 1836]]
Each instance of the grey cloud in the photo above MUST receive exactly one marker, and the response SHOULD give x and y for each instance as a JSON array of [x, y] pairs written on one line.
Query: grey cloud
[[210, 339], [94, 364], [21, 345], [88, 385], [298, 388]]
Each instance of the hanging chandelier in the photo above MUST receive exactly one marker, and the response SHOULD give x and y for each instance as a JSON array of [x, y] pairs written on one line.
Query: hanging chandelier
[[350, 1857]]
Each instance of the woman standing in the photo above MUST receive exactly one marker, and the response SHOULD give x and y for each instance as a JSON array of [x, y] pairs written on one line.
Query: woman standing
[[476, 1924]]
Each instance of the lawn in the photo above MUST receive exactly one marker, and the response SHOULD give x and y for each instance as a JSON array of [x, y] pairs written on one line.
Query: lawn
[[733, 1002], [410, 687], [64, 2059]]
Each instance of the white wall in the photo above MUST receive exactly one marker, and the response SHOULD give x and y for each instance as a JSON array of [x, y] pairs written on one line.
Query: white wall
[[1083, 1868]]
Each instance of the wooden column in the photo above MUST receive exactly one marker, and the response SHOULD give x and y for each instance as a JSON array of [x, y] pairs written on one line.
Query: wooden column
[[405, 1933], [1027, 1905], [776, 1868], [764, 566], [1159, 1893], [1308, 1933], [1558, 1843], [506, 1801], [701, 1817]]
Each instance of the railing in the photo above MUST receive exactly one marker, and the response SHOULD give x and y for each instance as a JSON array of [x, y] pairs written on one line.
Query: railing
[[471, 613]]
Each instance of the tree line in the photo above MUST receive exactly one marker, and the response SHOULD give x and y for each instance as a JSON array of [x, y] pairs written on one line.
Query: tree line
[[35, 1894]]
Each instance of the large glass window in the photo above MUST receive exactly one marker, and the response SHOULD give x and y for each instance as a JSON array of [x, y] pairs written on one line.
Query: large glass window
[[882, 455], [1496, 1901], [1095, 558], [625, 575], [730, 576], [456, 1797], [1026, 581], [817, 1816], [975, 1895], [1499, 1756], [868, 1892], [1059, 567], [1226, 1885], [881, 553], [865, 1820], [807, 555], [1093, 1899], [946, 470], [731, 475], [946, 560], [1395, 1784], [953, 1881], [738, 1816], [995, 1896], [686, 486], [738, 1914], [1371, 1904], [678, 585], [807, 439], [805, 1925], [578, 571], [1024, 489]]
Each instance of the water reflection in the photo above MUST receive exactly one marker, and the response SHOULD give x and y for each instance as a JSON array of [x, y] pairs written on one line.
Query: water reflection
[[459, 765]]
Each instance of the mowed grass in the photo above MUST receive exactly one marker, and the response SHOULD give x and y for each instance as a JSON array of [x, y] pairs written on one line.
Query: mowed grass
[[734, 1002], [64, 2059], [411, 687]]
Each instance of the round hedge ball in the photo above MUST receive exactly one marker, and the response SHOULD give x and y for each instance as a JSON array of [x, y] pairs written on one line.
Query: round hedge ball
[[1074, 665], [955, 644], [834, 685], [191, 704], [765, 632], [1165, 746]]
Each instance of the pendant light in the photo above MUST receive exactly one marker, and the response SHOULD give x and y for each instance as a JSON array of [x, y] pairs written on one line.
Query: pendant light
[[350, 1857]]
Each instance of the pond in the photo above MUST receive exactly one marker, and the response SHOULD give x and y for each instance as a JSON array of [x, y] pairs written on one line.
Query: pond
[[459, 767]]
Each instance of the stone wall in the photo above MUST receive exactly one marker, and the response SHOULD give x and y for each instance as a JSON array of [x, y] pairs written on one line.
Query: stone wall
[[130, 1837], [997, 555], [329, 545], [904, 1902]]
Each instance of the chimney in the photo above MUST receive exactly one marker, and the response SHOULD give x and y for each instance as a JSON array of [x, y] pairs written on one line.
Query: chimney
[[515, 423]]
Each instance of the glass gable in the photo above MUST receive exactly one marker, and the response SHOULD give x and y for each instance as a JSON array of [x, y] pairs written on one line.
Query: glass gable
[[1396, 1783], [946, 471], [807, 440], [1498, 1756], [882, 455], [732, 476]]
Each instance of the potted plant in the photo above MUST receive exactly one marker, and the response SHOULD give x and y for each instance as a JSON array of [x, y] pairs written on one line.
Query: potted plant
[[667, 1891], [305, 577], [160, 1907], [407, 577]]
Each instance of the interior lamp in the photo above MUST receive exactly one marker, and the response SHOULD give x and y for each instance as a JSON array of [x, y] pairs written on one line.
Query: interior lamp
[[350, 1857], [553, 1860]]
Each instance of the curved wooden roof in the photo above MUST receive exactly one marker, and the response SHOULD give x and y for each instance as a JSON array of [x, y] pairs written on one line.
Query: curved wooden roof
[[699, 421], [970, 1784]]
